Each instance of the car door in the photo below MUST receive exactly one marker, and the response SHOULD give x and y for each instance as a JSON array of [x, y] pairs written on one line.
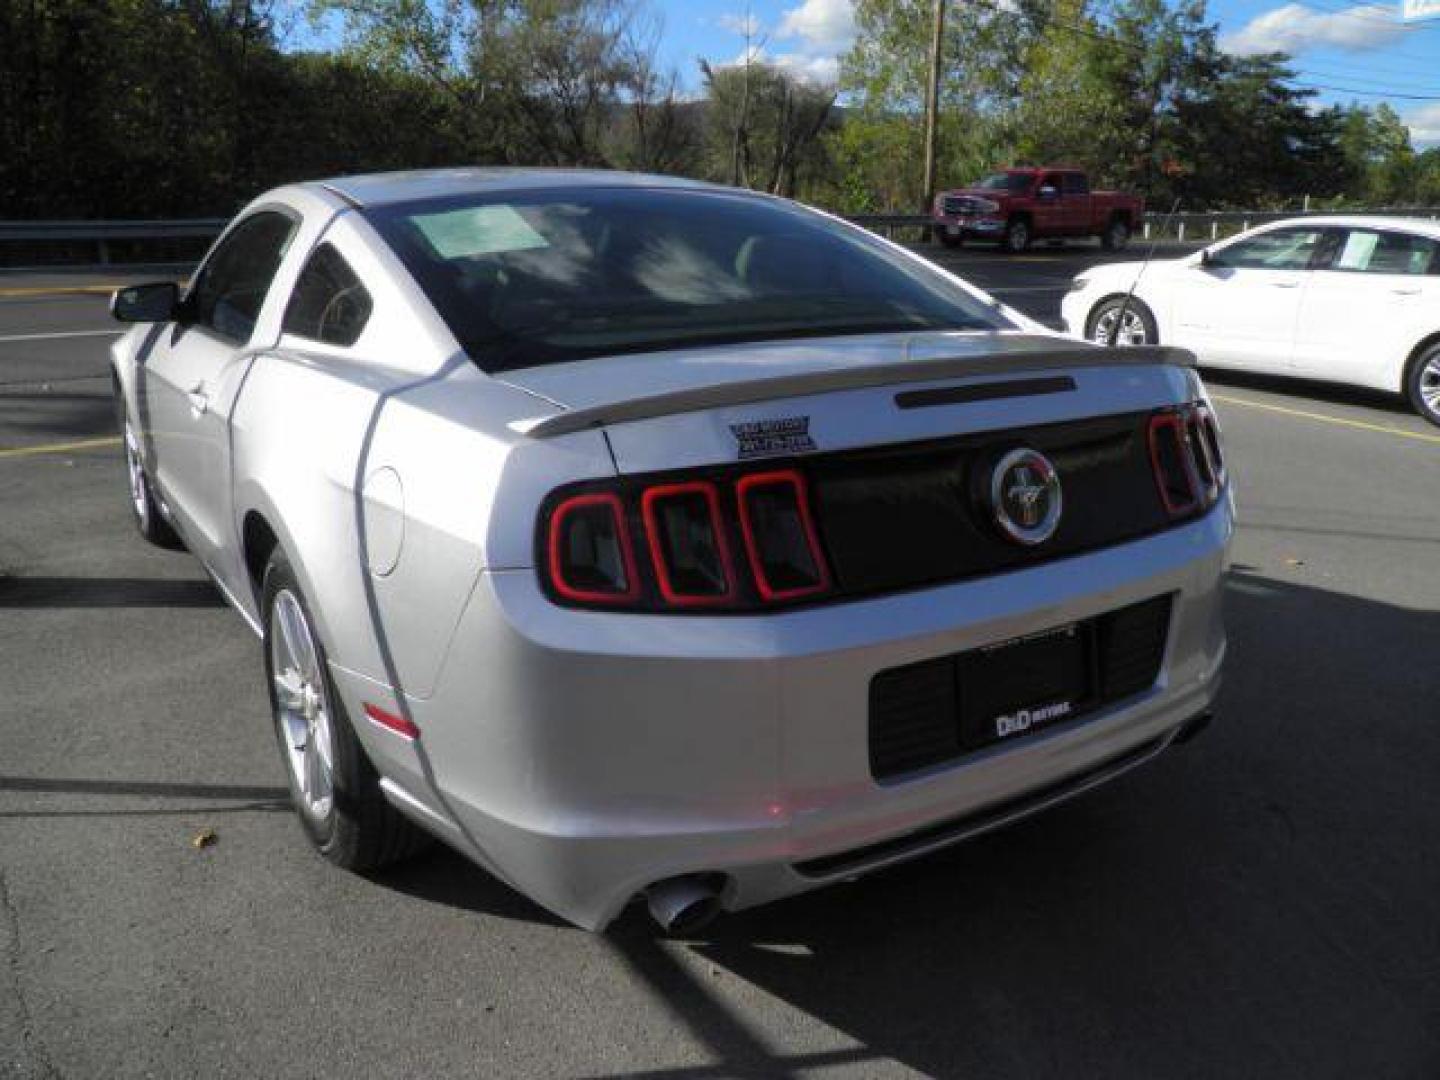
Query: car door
[[1238, 307], [189, 380], [1075, 195], [1049, 210], [1362, 306]]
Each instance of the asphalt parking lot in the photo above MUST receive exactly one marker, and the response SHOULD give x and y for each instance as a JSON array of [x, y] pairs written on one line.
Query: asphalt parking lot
[[1264, 901]]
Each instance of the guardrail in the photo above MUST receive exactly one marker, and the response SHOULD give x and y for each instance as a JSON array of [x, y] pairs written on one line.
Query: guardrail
[[103, 234]]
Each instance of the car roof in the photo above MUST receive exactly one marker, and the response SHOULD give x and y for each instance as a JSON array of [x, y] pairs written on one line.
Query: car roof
[[379, 189], [1423, 226]]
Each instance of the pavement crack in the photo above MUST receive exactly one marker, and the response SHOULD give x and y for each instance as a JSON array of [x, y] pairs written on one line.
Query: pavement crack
[[28, 1035]]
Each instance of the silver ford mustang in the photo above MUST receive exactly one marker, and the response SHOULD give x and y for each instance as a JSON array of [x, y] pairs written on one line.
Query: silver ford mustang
[[644, 538]]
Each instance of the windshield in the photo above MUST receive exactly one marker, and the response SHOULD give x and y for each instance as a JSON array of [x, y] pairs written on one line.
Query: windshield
[[1005, 181], [543, 277]]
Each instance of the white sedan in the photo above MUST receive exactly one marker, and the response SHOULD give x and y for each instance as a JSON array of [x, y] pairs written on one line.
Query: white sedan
[[1346, 299]]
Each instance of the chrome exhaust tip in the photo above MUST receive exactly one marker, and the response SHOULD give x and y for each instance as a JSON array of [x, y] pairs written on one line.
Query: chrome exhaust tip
[[683, 905]]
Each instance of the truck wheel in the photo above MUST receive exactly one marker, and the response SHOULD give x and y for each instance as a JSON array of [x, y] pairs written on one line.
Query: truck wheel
[[149, 519], [1422, 384], [1136, 328], [1017, 236], [950, 241], [334, 788], [1116, 235]]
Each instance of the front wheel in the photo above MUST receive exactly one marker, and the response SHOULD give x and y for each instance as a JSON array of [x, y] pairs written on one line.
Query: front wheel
[[1125, 320], [149, 519], [1422, 384], [333, 786], [950, 241], [1017, 236], [1116, 235]]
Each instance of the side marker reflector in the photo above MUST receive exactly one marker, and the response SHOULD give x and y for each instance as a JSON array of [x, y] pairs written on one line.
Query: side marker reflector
[[391, 722]]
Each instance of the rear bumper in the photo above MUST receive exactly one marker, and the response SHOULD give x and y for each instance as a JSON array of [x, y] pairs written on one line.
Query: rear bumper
[[584, 756]]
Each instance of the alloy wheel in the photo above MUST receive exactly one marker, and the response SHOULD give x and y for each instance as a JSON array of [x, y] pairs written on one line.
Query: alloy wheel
[[1132, 328], [302, 707], [1429, 385]]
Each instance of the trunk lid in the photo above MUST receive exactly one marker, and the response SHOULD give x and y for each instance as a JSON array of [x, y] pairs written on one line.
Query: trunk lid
[[718, 405]]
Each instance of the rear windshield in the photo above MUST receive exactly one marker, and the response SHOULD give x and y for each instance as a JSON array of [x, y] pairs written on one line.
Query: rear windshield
[[1006, 181], [544, 277]]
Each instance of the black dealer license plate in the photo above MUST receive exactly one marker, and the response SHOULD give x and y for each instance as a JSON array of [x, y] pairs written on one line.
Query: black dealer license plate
[[1019, 686]]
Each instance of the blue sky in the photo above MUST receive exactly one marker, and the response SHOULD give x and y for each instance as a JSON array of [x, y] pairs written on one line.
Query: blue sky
[[1364, 50], [1353, 52]]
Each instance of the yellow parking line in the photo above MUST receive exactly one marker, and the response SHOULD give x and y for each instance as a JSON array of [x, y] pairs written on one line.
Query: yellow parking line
[[1324, 418], [61, 448]]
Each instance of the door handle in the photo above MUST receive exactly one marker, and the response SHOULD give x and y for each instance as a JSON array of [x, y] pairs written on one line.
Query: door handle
[[1284, 284], [199, 400], [1411, 291]]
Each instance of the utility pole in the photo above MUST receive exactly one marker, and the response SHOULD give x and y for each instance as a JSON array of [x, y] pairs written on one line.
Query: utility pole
[[932, 105]]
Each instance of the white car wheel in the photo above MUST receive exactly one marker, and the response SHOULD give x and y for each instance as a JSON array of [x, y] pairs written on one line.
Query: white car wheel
[[1127, 322], [1423, 384]]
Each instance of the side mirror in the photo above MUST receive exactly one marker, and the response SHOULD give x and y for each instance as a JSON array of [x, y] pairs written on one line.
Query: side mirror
[[1048, 192], [155, 301]]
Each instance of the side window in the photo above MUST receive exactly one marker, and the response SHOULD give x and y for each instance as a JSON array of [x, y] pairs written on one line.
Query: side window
[[329, 303], [1051, 180], [1280, 249], [232, 284], [1371, 252], [1076, 184]]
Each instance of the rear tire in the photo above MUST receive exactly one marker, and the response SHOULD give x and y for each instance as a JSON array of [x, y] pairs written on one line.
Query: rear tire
[[1017, 236], [1422, 384], [1138, 327], [950, 241], [1116, 235], [149, 518], [333, 786]]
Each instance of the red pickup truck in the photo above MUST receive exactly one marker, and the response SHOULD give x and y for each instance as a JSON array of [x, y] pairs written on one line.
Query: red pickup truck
[[1017, 206]]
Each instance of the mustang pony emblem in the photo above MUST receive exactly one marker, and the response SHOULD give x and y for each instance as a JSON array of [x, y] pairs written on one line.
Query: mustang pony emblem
[[1025, 496]]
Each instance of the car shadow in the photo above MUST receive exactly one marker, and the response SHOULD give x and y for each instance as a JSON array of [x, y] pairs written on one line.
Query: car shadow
[[107, 592], [1332, 393], [1242, 906]]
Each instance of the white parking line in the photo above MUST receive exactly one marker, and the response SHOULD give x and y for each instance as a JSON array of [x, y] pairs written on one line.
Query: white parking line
[[6, 338]]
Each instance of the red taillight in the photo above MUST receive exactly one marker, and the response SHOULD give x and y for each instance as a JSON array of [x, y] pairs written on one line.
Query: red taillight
[[1174, 474], [1185, 456], [687, 544], [780, 536], [588, 551], [692, 543], [1210, 438]]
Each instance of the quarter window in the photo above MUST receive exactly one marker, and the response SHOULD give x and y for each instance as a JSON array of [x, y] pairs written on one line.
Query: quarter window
[[231, 286], [1369, 251], [329, 303], [1076, 184], [1280, 249]]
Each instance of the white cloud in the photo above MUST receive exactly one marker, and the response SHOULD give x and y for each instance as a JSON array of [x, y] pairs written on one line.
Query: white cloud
[[1424, 124], [822, 26], [745, 25], [820, 29], [1295, 28], [822, 70]]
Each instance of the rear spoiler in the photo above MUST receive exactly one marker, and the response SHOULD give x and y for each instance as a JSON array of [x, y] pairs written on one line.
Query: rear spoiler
[[1007, 362]]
